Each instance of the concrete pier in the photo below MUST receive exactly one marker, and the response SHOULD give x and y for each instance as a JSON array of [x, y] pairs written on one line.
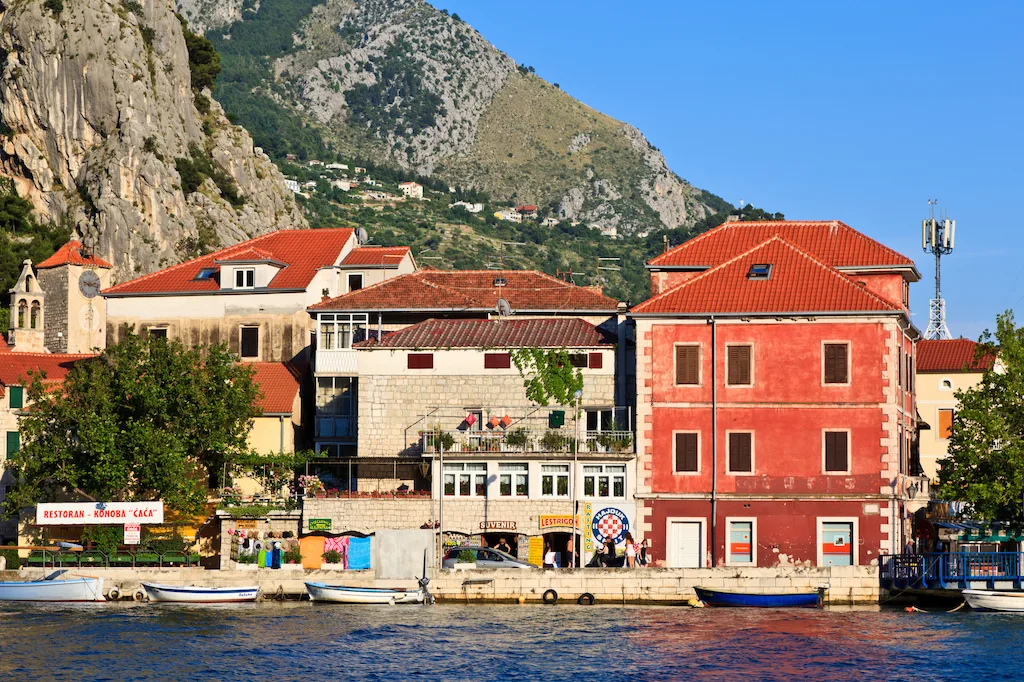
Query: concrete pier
[[847, 585]]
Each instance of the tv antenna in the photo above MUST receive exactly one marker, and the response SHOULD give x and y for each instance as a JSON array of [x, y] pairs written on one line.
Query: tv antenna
[[500, 264], [937, 237]]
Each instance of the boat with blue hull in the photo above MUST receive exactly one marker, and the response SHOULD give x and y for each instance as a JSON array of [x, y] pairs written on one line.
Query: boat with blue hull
[[345, 594], [765, 601], [186, 594]]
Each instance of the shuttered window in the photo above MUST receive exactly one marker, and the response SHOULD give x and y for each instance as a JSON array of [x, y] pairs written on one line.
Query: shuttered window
[[738, 372], [741, 456], [687, 365], [837, 456], [596, 360], [497, 360], [945, 423], [17, 397], [250, 342], [686, 453], [836, 363], [421, 361]]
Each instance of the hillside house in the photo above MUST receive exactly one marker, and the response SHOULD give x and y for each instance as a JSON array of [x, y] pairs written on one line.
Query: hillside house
[[471, 208], [412, 190], [509, 214], [527, 211]]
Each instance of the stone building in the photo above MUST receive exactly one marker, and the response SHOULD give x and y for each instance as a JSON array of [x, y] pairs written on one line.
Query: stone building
[[75, 313]]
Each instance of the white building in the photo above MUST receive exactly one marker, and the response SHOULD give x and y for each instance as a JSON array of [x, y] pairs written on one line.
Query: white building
[[472, 208], [413, 190], [293, 185]]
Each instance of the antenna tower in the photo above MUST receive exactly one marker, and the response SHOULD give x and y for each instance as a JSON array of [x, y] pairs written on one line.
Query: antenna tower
[[937, 237]]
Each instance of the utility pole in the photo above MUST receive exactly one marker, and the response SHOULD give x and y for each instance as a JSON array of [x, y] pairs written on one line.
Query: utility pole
[[937, 237]]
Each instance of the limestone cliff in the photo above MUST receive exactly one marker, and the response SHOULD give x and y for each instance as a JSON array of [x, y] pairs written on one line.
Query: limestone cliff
[[99, 122]]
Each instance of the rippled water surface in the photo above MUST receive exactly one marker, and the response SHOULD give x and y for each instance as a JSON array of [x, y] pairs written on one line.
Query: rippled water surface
[[302, 640]]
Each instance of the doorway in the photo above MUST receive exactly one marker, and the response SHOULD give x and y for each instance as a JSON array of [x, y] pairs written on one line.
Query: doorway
[[685, 544], [559, 542]]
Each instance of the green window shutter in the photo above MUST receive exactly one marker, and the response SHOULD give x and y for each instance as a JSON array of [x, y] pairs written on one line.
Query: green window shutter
[[13, 442], [17, 397]]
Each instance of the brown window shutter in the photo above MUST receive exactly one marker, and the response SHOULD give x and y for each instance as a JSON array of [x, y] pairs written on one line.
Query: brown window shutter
[[688, 365], [740, 452], [421, 361], [835, 363], [596, 360], [945, 423], [686, 452], [836, 455], [497, 360], [739, 366]]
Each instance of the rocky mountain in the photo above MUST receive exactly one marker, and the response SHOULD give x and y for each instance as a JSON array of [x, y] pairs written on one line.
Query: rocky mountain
[[100, 127], [402, 83]]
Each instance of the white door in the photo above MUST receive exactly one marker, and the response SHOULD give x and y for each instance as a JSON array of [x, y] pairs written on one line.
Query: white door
[[686, 544]]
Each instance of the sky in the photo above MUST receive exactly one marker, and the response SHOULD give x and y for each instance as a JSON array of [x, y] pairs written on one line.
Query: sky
[[859, 112]]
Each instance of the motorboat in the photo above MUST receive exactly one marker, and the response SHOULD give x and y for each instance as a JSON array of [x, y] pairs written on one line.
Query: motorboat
[[995, 600], [767, 601], [201, 595], [53, 590], [365, 595]]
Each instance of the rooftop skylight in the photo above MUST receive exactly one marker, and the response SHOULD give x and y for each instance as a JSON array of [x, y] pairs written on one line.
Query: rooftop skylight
[[760, 271]]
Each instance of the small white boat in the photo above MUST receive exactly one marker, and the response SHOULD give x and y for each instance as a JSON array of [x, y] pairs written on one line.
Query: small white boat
[[71, 589], [364, 595], [995, 600], [201, 595]]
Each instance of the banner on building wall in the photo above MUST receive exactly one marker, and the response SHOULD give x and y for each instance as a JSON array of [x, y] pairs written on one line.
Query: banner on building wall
[[610, 524], [319, 524], [94, 513], [549, 521], [536, 555], [132, 533], [588, 534]]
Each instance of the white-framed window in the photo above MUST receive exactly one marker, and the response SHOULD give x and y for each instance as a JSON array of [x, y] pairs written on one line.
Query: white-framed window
[[742, 539], [338, 331], [600, 419], [245, 278], [355, 281], [465, 479], [686, 452], [835, 363], [249, 342], [946, 385], [739, 453], [513, 480], [835, 451], [604, 480], [739, 364], [554, 480], [837, 541]]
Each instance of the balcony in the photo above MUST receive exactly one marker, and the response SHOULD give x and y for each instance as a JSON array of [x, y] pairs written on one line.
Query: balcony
[[526, 440], [336, 427], [340, 361]]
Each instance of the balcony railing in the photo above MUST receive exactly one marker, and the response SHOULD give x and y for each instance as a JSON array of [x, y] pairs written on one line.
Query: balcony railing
[[947, 570], [526, 440]]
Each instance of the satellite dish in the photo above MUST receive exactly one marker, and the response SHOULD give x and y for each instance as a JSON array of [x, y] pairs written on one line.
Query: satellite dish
[[503, 308], [362, 236]]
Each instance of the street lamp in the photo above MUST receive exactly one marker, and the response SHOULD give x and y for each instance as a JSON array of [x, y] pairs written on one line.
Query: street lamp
[[577, 561]]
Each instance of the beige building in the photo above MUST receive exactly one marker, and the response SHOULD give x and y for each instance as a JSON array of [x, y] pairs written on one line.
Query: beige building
[[412, 190], [943, 368], [76, 314]]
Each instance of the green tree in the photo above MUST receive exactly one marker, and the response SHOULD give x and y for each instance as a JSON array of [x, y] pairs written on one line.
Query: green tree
[[203, 60], [548, 375], [985, 466], [147, 419]]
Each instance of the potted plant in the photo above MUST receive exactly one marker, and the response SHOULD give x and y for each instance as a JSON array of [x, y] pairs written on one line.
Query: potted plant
[[332, 561], [517, 438], [552, 441], [246, 562]]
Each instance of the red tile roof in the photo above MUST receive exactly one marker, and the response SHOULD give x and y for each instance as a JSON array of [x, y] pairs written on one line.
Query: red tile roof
[[303, 252], [798, 283], [71, 254], [4, 348], [528, 208], [463, 290], [17, 369], [245, 254], [832, 242], [380, 256], [950, 355], [565, 332], [279, 382]]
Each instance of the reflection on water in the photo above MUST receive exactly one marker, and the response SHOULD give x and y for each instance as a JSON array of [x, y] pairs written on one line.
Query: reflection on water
[[302, 640]]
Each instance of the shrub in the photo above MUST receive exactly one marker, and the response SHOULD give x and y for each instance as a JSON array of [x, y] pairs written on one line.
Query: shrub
[[516, 438], [331, 556], [55, 6], [249, 558], [13, 560], [292, 555]]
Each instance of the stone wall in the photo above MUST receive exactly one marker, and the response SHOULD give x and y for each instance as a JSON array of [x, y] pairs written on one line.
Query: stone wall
[[54, 281]]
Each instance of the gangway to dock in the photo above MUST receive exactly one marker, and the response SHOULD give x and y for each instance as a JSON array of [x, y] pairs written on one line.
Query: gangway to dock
[[951, 570]]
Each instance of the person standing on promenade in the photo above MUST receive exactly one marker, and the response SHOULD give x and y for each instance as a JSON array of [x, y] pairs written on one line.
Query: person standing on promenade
[[503, 546], [630, 551]]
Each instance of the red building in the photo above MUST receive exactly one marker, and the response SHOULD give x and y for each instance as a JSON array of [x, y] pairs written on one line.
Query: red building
[[775, 397]]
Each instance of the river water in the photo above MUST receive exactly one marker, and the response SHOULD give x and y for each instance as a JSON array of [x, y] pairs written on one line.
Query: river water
[[308, 641]]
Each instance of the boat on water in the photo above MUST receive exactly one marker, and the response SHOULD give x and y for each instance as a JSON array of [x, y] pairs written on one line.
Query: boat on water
[[201, 595], [995, 600], [59, 590], [767, 601], [365, 595]]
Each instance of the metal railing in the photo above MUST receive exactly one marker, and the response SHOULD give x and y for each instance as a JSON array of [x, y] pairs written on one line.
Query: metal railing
[[949, 570], [121, 559], [526, 440]]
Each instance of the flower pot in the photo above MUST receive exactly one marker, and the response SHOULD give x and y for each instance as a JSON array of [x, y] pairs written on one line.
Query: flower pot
[[332, 567]]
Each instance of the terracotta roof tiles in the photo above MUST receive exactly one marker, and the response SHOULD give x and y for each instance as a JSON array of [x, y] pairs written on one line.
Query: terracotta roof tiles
[[950, 355], [279, 382], [507, 333], [71, 254], [17, 369], [380, 256]]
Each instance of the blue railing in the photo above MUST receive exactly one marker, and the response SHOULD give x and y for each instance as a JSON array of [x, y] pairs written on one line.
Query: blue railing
[[950, 570]]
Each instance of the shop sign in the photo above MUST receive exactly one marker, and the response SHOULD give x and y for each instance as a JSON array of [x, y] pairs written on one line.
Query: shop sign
[[497, 525], [132, 533], [247, 524], [536, 555], [91, 513], [610, 523], [588, 534], [555, 521], [319, 524]]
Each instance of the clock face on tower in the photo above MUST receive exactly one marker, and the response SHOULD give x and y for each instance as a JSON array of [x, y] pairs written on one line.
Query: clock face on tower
[[89, 284]]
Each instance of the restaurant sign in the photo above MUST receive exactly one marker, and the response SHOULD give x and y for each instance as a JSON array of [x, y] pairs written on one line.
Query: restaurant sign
[[555, 521], [497, 525], [319, 524], [89, 513]]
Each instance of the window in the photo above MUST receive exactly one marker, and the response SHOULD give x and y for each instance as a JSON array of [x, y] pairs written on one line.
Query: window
[[250, 342], [465, 479], [760, 271], [687, 365], [604, 480], [687, 459], [355, 281], [158, 332], [22, 311], [836, 540], [340, 331], [513, 480], [837, 458], [741, 453], [13, 443], [596, 360], [741, 542], [245, 278], [738, 361], [945, 385], [420, 361], [836, 363], [17, 397], [497, 360], [600, 419], [554, 480], [945, 423], [205, 274], [336, 407], [578, 359], [34, 315]]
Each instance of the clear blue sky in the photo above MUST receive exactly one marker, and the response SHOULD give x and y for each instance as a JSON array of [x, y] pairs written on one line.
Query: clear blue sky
[[851, 111]]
